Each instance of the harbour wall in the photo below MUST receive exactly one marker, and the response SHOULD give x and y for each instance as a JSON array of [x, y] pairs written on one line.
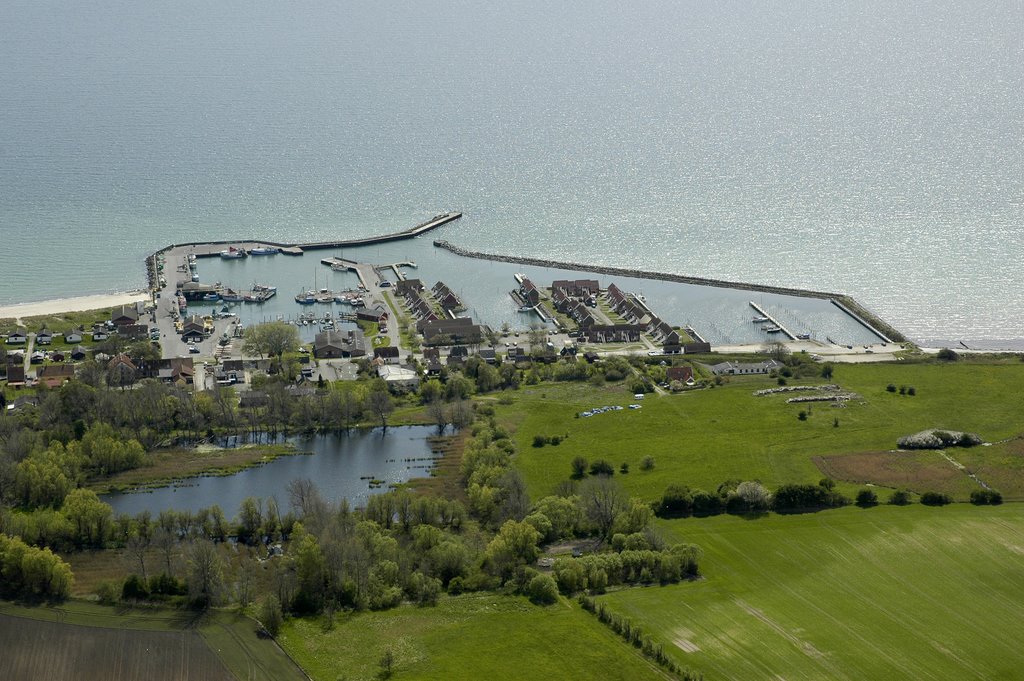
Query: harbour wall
[[846, 303]]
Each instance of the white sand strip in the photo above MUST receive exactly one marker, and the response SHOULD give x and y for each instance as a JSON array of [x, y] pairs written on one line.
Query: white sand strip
[[78, 304]]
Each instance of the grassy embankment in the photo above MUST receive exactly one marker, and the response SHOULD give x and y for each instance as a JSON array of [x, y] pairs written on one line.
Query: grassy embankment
[[879, 593], [476, 636], [705, 437], [90, 641], [66, 321]]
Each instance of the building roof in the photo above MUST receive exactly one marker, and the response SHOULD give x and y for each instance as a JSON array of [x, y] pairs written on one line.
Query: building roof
[[391, 373]]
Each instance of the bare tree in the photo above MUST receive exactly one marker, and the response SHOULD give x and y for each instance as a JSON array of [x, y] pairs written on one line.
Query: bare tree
[[379, 403], [601, 500], [135, 550], [205, 573], [438, 414]]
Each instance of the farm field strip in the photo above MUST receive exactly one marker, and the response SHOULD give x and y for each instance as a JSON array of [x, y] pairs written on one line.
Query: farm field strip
[[474, 636], [915, 593]]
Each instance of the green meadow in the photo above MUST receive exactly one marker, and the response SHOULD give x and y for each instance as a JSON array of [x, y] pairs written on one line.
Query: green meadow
[[475, 636], [704, 437], [879, 593]]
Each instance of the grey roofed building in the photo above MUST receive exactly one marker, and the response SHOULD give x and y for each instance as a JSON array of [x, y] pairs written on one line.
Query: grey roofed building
[[453, 331], [737, 368], [125, 314], [389, 354], [335, 344]]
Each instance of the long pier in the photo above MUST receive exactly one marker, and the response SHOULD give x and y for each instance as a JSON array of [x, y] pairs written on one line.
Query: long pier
[[210, 249], [862, 321], [773, 320], [849, 305]]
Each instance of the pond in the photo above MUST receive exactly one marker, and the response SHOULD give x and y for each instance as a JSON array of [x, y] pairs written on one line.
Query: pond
[[341, 465]]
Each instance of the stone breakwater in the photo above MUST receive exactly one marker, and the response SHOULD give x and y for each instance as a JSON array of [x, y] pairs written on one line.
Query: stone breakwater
[[846, 303]]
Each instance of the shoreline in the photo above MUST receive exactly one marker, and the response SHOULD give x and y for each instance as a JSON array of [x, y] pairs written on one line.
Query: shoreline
[[56, 306], [879, 326]]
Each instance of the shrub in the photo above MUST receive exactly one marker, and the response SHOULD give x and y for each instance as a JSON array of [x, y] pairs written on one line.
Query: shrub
[[270, 614], [579, 467], [601, 467], [705, 503], [983, 497], [911, 391], [134, 589], [866, 497], [539, 440], [899, 497], [676, 502], [948, 355], [802, 415], [624, 468], [647, 463], [936, 499], [891, 388], [803, 497], [542, 590]]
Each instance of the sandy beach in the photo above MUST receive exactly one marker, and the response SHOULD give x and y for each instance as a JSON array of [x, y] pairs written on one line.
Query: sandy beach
[[80, 303]]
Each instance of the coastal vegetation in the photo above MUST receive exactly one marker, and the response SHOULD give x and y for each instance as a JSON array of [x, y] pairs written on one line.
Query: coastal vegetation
[[570, 490]]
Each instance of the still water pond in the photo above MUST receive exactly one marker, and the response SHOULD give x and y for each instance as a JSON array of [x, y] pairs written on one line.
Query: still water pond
[[340, 464]]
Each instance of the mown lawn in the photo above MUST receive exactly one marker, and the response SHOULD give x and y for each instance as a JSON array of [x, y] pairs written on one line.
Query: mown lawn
[[879, 593], [474, 637], [705, 437]]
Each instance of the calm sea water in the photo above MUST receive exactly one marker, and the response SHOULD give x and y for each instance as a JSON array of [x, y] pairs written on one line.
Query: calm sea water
[[869, 147]]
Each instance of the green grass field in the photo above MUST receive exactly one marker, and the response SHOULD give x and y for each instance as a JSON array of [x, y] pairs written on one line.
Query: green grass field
[[704, 437], [468, 637], [90, 641], [879, 593]]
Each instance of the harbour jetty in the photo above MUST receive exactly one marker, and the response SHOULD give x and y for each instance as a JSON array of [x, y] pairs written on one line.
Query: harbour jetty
[[778, 325], [846, 303], [210, 249]]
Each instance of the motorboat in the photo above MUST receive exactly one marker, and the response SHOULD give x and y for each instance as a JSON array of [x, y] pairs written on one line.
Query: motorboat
[[760, 320], [232, 253], [305, 298], [265, 250]]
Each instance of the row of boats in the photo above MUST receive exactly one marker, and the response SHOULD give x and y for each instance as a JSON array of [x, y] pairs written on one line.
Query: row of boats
[[232, 253], [259, 293], [770, 327], [351, 297]]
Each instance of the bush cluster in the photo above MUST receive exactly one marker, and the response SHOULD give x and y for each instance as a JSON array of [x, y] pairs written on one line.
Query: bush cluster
[[985, 497]]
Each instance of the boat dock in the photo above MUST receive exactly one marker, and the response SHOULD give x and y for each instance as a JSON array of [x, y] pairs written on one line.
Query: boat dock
[[396, 268], [773, 320], [365, 272], [692, 333]]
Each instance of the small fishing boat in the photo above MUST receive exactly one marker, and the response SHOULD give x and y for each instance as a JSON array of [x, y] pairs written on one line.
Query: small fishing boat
[[231, 296], [233, 253], [773, 329], [803, 336], [305, 298], [265, 250], [211, 297], [760, 320]]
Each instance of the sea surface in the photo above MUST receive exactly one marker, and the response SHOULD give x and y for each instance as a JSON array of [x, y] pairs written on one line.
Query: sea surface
[[867, 147]]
